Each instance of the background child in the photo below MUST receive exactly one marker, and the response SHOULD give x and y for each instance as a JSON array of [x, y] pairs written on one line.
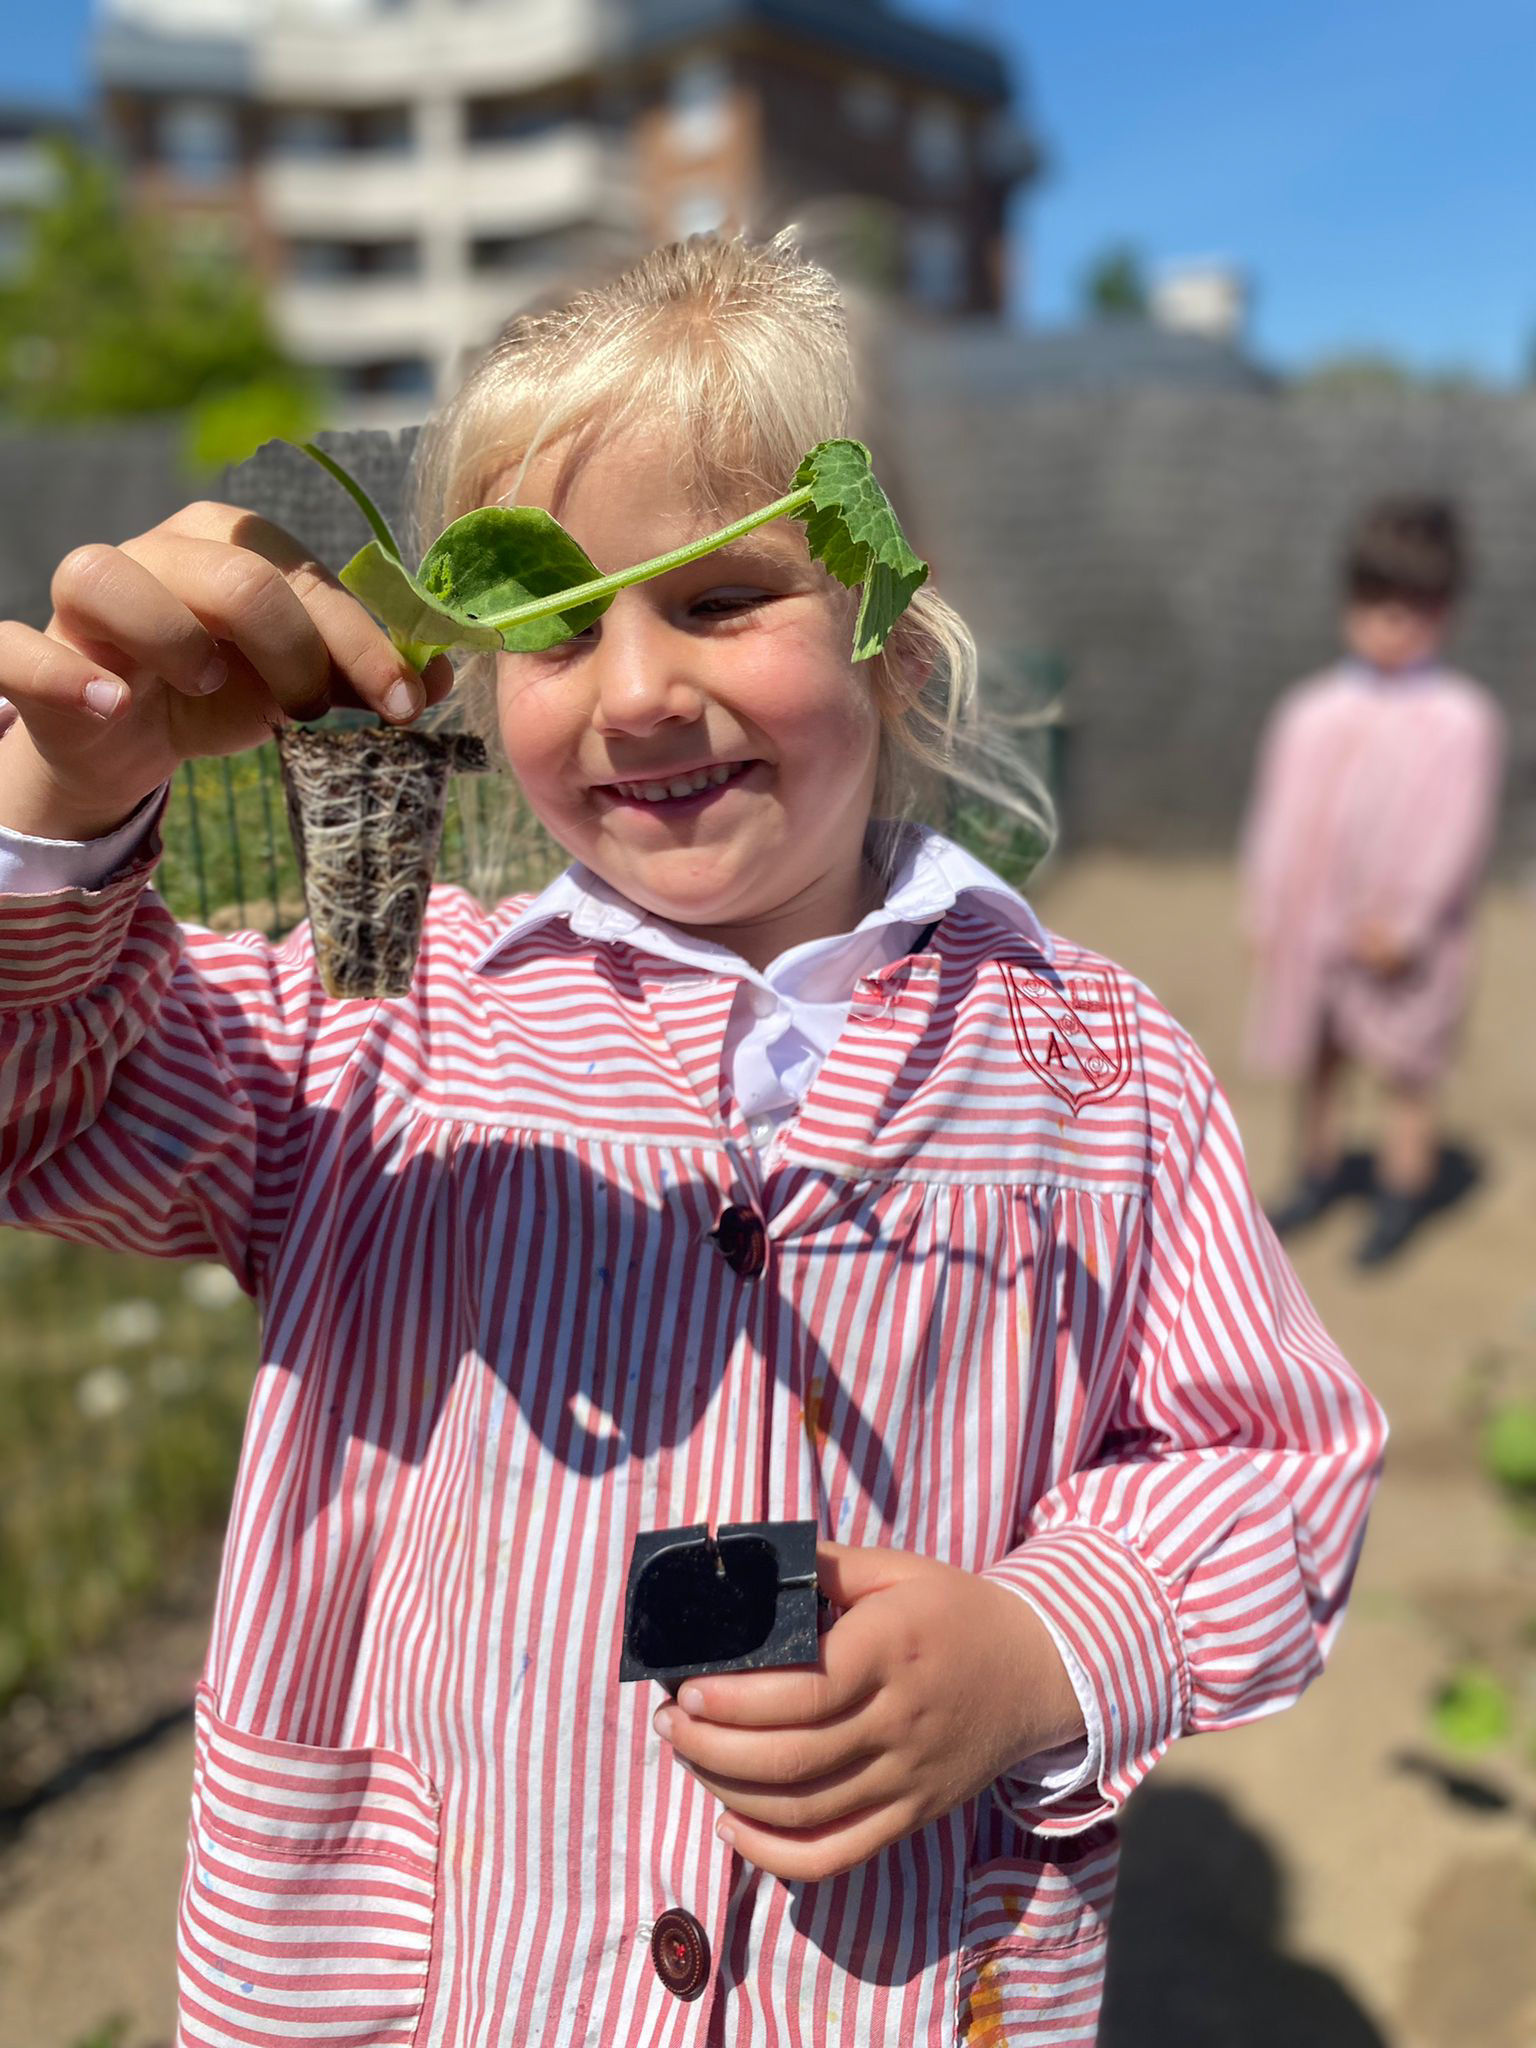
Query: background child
[[997, 1308], [1370, 824]]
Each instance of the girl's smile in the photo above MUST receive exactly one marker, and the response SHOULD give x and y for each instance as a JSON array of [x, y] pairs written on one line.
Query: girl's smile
[[708, 746], [677, 789]]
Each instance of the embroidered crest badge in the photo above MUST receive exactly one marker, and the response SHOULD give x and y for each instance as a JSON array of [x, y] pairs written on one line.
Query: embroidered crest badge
[[1071, 1031]]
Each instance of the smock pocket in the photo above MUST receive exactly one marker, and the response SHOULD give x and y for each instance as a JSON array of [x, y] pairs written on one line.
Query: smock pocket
[[1034, 1942], [311, 1885]]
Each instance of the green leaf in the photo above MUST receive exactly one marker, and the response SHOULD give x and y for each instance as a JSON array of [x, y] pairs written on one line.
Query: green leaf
[[1510, 1448], [490, 563], [1472, 1710], [855, 534], [358, 495], [413, 616]]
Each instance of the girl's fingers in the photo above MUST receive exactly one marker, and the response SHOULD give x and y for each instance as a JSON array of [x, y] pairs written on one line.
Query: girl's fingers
[[808, 1855], [364, 667], [38, 673], [823, 1803], [787, 1756], [101, 595]]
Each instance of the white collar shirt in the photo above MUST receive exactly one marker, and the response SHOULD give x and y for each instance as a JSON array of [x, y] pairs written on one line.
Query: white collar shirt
[[787, 1016]]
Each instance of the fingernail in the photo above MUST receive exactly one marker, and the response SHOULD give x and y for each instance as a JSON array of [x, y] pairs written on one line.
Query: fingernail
[[691, 1700], [105, 698], [212, 676], [664, 1721], [725, 1831], [403, 700]]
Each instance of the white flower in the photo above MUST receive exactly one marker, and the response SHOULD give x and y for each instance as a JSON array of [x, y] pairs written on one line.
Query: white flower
[[104, 1392], [209, 1286], [125, 1324], [171, 1376]]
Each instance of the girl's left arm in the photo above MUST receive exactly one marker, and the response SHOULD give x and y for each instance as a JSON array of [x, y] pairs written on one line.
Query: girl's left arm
[[1199, 1567]]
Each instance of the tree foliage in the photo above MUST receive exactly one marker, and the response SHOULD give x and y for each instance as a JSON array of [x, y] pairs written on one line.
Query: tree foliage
[[104, 319], [1115, 285]]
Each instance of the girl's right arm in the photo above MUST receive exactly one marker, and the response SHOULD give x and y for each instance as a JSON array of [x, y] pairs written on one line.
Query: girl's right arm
[[143, 1080]]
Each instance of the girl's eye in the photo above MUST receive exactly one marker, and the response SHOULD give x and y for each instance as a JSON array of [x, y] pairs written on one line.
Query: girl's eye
[[721, 604]]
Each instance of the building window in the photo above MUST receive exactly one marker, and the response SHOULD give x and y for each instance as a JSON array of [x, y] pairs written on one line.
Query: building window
[[699, 99], [936, 254], [197, 140], [383, 129], [328, 131], [318, 260], [938, 142], [504, 120], [393, 377], [307, 131], [869, 105]]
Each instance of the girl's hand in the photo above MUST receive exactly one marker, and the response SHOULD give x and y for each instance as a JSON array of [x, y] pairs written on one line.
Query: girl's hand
[[194, 638], [932, 1683]]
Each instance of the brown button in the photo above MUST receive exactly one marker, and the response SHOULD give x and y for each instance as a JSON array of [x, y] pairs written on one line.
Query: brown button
[[741, 1240], [680, 1952]]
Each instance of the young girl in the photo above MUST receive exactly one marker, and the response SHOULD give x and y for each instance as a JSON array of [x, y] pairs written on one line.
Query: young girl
[[1371, 821], [996, 1309]]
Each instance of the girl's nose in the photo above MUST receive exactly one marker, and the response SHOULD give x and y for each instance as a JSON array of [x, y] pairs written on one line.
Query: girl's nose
[[644, 674]]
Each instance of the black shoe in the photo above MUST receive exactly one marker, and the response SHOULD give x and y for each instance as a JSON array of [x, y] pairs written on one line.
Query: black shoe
[[1395, 1220], [1313, 1196]]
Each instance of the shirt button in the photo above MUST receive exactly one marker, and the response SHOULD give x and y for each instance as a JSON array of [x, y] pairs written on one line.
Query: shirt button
[[680, 1953], [762, 1002], [741, 1240], [760, 1130]]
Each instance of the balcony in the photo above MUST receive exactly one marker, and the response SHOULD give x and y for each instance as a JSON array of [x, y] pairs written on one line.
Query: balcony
[[509, 188], [368, 194], [470, 50], [346, 320]]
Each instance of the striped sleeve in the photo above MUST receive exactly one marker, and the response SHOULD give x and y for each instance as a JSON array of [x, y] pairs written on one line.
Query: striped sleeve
[[149, 1074], [1198, 1568]]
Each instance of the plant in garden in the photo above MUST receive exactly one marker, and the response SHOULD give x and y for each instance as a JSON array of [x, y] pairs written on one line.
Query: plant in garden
[[366, 806], [1509, 1452]]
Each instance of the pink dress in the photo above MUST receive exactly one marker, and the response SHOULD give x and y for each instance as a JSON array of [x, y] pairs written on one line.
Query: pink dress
[[1375, 802]]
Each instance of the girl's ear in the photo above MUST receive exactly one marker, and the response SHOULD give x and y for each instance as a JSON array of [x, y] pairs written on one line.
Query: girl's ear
[[903, 670]]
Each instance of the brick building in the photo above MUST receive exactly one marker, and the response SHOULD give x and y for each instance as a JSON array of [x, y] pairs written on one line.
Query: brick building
[[403, 173]]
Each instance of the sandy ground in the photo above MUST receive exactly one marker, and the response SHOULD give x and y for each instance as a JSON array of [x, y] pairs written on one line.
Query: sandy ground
[[1327, 1877]]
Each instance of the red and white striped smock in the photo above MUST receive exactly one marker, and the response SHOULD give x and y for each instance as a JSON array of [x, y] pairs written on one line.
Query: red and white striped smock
[[1374, 802], [1019, 1312]]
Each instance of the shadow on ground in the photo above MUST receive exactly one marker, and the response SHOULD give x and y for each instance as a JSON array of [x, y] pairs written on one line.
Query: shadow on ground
[[1197, 1958]]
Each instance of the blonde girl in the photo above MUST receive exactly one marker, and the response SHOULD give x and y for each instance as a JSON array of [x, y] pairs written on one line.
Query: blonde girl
[[774, 1163]]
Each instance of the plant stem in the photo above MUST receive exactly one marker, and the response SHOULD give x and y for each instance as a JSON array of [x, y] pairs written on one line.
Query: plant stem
[[642, 572]]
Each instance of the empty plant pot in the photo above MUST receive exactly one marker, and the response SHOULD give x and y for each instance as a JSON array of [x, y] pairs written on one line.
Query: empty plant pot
[[365, 806], [744, 1600]]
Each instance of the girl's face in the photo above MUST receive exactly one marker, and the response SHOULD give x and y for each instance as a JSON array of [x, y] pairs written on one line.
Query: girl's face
[[1393, 636], [707, 747]]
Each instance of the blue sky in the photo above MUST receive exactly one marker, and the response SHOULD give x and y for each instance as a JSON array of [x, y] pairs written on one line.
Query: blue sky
[[1372, 168]]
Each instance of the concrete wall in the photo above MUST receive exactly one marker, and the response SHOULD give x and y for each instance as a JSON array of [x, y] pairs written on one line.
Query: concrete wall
[[1178, 548]]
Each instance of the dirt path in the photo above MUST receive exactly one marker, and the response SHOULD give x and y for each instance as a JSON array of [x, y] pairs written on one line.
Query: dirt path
[[1316, 1879]]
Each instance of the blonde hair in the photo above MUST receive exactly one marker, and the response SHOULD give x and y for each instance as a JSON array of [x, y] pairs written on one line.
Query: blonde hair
[[744, 348]]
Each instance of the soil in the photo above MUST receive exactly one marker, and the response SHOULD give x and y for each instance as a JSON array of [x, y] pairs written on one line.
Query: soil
[[1330, 1876]]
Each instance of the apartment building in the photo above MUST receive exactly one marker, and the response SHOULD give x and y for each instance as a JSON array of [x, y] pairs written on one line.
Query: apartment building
[[404, 174]]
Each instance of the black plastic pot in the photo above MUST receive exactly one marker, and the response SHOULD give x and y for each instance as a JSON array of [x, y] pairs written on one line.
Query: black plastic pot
[[744, 1601]]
